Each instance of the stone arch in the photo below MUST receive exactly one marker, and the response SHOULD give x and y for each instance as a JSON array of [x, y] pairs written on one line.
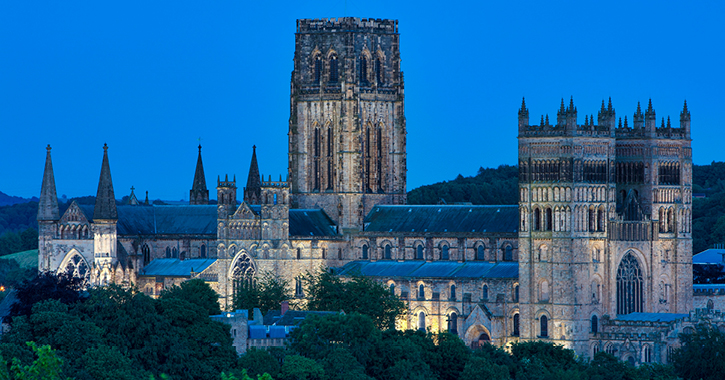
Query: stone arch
[[477, 335], [544, 290], [75, 264], [543, 327], [630, 284]]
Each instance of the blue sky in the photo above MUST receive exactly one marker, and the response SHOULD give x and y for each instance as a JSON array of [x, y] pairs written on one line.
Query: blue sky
[[150, 78]]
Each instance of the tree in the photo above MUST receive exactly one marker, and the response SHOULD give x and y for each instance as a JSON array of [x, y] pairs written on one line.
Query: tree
[[267, 293], [701, 353], [46, 367], [298, 367], [257, 362], [328, 292], [198, 293], [47, 285]]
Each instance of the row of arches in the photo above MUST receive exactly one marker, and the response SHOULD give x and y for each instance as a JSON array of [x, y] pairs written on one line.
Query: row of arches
[[594, 171], [323, 168], [74, 231], [553, 170], [645, 353], [666, 219], [630, 172], [565, 194], [327, 69], [669, 173], [670, 195], [373, 156], [441, 252], [590, 218]]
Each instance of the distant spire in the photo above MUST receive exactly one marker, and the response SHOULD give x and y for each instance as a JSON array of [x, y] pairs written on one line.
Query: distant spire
[[146, 202], [199, 194], [132, 200], [105, 199], [253, 191], [668, 122], [48, 203], [685, 114], [650, 113], [625, 122], [571, 104], [542, 120], [663, 123]]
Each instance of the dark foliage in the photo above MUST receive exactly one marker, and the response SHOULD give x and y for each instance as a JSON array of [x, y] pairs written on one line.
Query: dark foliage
[[701, 354], [46, 286], [267, 293], [708, 274], [198, 293], [489, 187]]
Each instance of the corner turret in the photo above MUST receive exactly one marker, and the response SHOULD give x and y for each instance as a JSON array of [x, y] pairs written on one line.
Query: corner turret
[[684, 121], [199, 194], [638, 118], [524, 117], [650, 123], [226, 196]]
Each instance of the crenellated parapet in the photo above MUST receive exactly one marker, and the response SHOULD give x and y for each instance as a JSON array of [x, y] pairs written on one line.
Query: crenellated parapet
[[347, 24]]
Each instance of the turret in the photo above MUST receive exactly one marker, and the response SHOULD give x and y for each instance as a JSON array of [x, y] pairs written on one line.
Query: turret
[[571, 116], [684, 121], [226, 196], [253, 191], [524, 117], [561, 115], [638, 118], [199, 194], [606, 117], [650, 123], [105, 217], [48, 203]]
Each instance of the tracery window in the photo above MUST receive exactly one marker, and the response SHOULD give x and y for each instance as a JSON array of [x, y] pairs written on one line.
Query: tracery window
[[318, 69], [243, 275], [379, 70], [595, 324], [630, 286], [77, 267], [363, 70]]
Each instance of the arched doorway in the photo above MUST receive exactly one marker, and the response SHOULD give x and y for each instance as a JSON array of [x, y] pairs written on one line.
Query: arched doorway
[[477, 335]]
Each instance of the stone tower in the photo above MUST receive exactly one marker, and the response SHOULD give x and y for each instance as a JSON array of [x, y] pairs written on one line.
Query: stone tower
[[592, 241], [199, 194], [48, 214], [105, 218], [347, 121]]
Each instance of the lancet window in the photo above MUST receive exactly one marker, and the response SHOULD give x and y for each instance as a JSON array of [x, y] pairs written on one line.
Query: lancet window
[[630, 286]]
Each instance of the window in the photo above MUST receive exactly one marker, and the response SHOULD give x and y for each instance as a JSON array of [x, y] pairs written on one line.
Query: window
[[515, 331], [379, 70], [595, 324], [392, 289], [509, 254], [609, 349], [548, 219], [318, 69], [339, 253], [324, 253], [537, 219], [710, 305], [168, 252], [363, 70], [299, 291], [174, 253], [453, 292], [365, 252], [421, 321], [480, 252], [485, 293], [333, 69], [453, 323], [444, 252], [419, 252], [544, 322], [516, 293], [421, 292], [630, 286], [146, 254], [203, 251], [388, 254], [647, 354], [544, 291]]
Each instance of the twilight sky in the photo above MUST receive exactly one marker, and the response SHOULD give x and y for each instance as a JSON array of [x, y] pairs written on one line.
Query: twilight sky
[[152, 77]]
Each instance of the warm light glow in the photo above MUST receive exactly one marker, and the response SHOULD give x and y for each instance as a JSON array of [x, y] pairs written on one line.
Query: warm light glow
[[2, 288]]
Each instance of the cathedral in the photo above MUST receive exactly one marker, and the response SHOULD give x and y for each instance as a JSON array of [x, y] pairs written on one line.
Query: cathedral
[[597, 255]]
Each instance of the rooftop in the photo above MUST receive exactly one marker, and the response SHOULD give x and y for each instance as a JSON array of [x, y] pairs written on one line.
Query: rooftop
[[435, 269], [456, 218]]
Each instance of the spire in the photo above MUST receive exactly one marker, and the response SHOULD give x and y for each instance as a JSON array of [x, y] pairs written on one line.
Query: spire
[[609, 107], [146, 202], [132, 200], [650, 113], [105, 199], [685, 114], [199, 194], [253, 191], [48, 203]]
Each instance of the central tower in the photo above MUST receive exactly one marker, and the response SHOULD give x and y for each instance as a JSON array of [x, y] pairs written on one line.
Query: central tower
[[347, 122]]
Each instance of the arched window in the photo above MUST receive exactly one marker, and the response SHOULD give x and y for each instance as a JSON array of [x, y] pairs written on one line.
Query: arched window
[[515, 331], [453, 293], [537, 219], [516, 293], [484, 296], [421, 321], [388, 254], [168, 252], [324, 253], [339, 253], [544, 291], [318, 68], [444, 252], [480, 252], [609, 348], [203, 251], [363, 71], [419, 252], [544, 328], [630, 286], [299, 253], [392, 289], [453, 323], [365, 252], [548, 219], [146, 254], [77, 266], [299, 290], [421, 292], [595, 324], [508, 253], [174, 253], [647, 354], [379, 70], [333, 69]]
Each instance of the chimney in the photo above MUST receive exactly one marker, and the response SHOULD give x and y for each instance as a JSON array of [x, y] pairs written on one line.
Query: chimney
[[284, 307]]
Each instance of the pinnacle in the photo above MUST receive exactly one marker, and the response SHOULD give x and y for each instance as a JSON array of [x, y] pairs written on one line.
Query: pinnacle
[[105, 200], [48, 203]]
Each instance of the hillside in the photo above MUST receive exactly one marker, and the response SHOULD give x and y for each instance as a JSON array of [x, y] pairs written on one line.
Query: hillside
[[9, 200]]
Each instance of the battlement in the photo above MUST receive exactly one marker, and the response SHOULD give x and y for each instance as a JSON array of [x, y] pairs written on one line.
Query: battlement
[[270, 183], [348, 24], [643, 124], [226, 182]]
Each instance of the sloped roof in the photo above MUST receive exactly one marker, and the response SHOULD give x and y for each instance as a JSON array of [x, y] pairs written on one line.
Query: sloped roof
[[710, 256], [308, 222], [176, 267], [157, 219], [291, 317], [435, 269], [497, 219]]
